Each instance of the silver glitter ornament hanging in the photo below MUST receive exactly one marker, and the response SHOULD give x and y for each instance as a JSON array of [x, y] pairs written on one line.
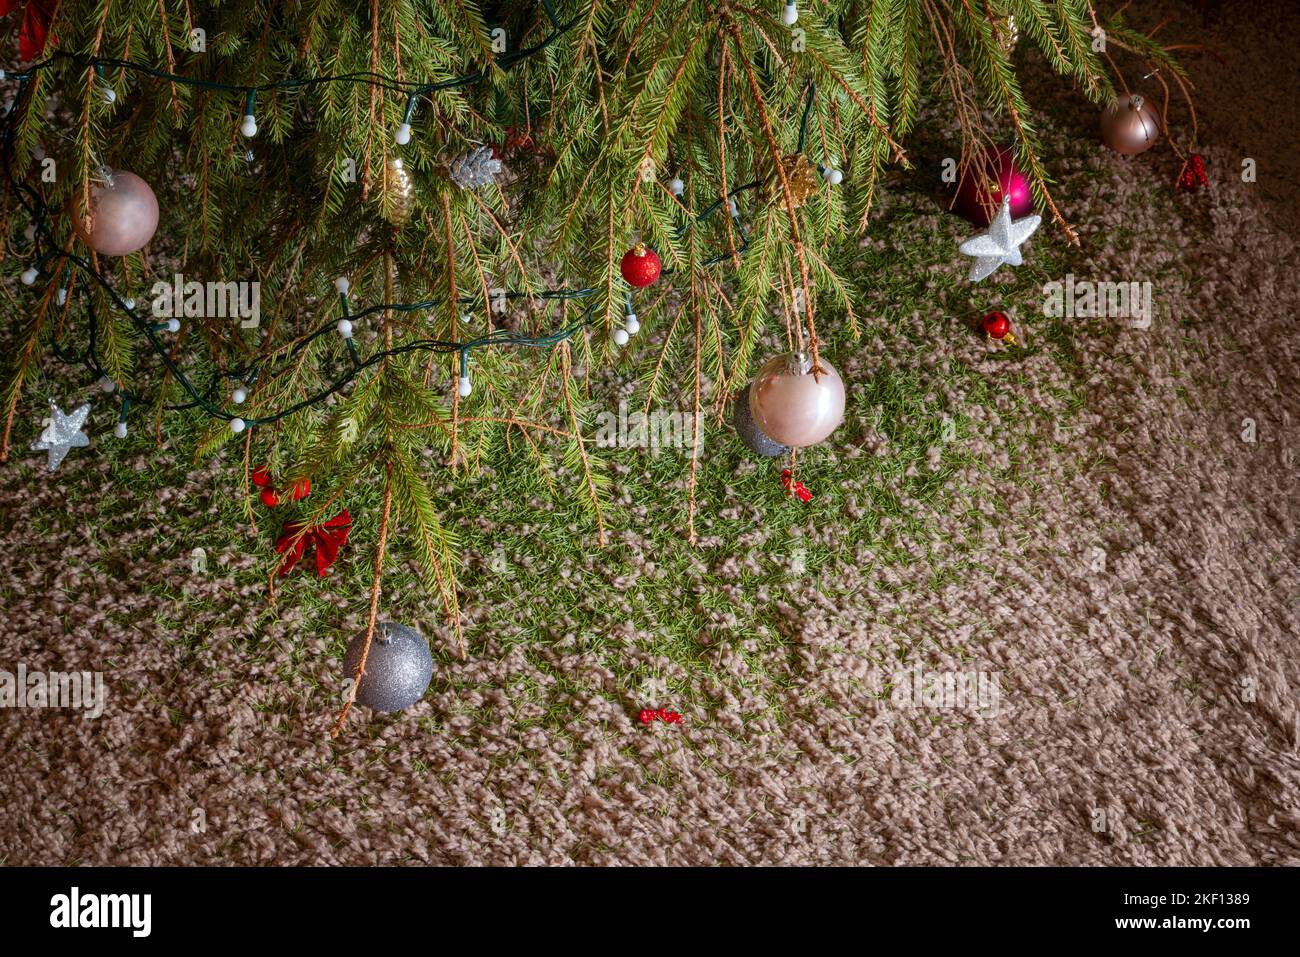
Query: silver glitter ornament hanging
[[62, 432], [753, 437], [398, 668], [476, 168]]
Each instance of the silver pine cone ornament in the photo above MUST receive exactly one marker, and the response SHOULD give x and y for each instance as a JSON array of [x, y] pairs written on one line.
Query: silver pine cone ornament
[[476, 168]]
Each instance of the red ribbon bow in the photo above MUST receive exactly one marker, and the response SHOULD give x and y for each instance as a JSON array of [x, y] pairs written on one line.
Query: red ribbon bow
[[325, 539], [1193, 175], [35, 27], [791, 484]]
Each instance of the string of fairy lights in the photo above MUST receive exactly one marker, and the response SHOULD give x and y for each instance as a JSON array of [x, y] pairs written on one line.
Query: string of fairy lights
[[206, 398]]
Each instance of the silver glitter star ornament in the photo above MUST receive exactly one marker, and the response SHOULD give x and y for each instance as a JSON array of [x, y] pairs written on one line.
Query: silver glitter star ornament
[[62, 432], [1001, 244]]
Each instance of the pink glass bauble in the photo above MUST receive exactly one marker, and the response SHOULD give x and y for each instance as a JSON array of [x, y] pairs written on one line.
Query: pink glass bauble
[[982, 186], [1130, 125], [792, 406], [123, 214]]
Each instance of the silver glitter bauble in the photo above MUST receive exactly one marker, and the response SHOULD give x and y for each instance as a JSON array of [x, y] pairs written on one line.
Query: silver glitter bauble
[[476, 168], [749, 432], [398, 669]]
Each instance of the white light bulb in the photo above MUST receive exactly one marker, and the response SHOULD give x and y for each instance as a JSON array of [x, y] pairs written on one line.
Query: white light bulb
[[129, 303], [464, 387], [341, 284], [29, 276], [236, 425], [173, 325], [62, 296], [790, 15], [620, 337], [110, 95], [836, 177], [106, 384], [249, 126], [733, 208], [827, 172], [403, 134], [30, 232], [345, 328], [677, 187], [239, 395], [632, 324], [120, 430]]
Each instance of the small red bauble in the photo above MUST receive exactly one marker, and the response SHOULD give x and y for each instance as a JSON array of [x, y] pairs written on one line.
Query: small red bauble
[[261, 477], [269, 498], [997, 325], [301, 489], [640, 266]]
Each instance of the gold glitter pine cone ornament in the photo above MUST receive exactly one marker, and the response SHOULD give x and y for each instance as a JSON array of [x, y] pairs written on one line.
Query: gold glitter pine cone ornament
[[397, 200], [799, 175]]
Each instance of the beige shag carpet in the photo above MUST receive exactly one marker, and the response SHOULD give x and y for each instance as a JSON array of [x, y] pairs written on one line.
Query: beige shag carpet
[[1139, 609]]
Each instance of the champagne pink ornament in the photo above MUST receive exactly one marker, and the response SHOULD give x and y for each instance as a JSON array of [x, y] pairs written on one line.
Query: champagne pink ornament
[[1130, 125], [792, 406], [123, 214], [984, 183]]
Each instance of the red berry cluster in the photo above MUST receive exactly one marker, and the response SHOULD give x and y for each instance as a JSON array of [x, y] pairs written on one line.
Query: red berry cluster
[[664, 715], [270, 497], [791, 484], [1193, 175]]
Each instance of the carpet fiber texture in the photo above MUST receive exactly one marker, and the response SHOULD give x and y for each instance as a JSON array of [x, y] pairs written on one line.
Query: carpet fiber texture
[[1133, 626]]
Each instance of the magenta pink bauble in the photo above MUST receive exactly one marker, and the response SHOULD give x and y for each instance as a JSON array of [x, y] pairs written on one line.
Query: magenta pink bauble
[[1130, 125], [123, 215], [792, 406], [982, 186]]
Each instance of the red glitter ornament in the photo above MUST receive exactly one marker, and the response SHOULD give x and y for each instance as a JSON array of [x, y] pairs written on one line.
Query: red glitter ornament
[[640, 266], [983, 185]]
